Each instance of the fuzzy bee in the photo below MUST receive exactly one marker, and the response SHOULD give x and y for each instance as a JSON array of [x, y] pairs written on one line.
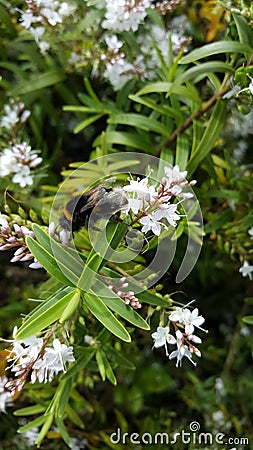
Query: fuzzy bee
[[97, 203]]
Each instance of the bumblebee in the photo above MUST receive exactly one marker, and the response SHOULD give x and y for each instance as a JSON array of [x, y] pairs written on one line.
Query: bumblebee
[[97, 203]]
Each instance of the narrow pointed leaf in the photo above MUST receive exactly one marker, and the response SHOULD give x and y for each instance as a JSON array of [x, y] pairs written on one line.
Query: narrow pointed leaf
[[106, 246], [97, 307], [46, 260], [30, 410], [45, 314], [37, 82], [139, 121], [82, 361], [212, 131], [67, 257], [215, 48]]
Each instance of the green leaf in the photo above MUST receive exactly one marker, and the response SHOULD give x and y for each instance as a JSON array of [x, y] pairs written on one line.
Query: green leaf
[[61, 397], [90, 90], [116, 304], [182, 151], [37, 82], [7, 21], [61, 262], [104, 367], [48, 420], [198, 72], [71, 307], [248, 320], [128, 139], [118, 359], [139, 121], [150, 103], [100, 363], [106, 245], [63, 431], [243, 29], [216, 48], [46, 313], [73, 416], [85, 123], [212, 132], [30, 410], [108, 370], [33, 424], [97, 307], [87, 354], [160, 86], [46, 260], [221, 220]]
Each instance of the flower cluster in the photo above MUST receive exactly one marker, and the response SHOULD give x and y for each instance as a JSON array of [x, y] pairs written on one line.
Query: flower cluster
[[119, 69], [12, 236], [125, 15], [165, 6], [5, 396], [18, 160], [128, 297], [151, 204], [32, 358], [184, 340], [44, 12], [14, 114]]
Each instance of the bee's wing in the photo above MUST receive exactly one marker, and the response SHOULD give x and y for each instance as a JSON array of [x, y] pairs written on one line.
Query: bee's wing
[[92, 197], [110, 203]]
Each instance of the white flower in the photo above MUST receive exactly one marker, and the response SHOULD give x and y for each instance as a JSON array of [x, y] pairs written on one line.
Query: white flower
[[24, 351], [5, 396], [182, 350], [43, 46], [174, 175], [22, 176], [52, 16], [168, 212], [250, 231], [37, 33], [125, 15], [52, 362], [10, 118], [141, 188], [4, 223], [65, 9], [118, 72], [162, 337], [27, 19], [112, 42], [192, 319], [246, 270], [189, 319], [6, 162], [150, 223]]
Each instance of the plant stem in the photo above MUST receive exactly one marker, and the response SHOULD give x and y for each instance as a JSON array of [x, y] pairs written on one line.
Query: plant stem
[[197, 114]]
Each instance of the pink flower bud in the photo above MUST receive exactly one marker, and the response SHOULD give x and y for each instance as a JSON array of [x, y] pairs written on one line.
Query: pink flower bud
[[17, 228], [26, 231], [19, 251]]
